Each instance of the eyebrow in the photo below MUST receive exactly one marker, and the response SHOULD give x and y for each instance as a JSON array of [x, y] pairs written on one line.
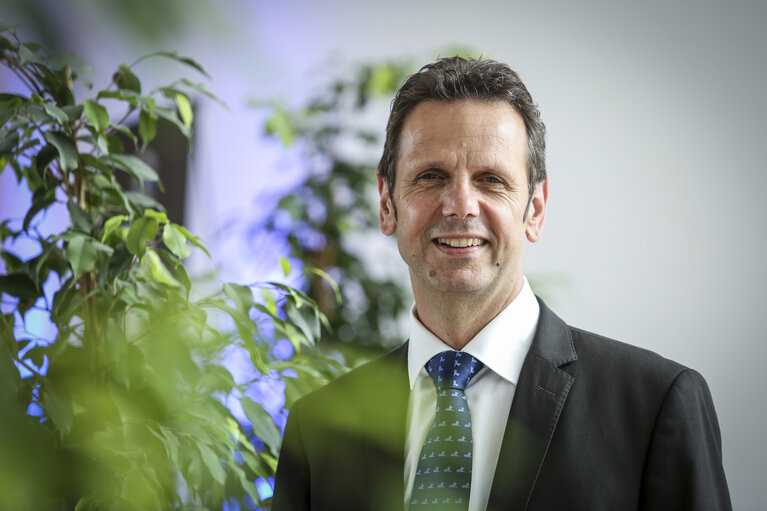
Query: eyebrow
[[439, 164], [428, 164]]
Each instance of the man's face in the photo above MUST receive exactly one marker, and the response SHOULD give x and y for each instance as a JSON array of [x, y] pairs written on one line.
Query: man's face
[[460, 194]]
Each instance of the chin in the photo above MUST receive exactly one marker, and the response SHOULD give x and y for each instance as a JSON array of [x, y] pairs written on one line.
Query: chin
[[459, 282]]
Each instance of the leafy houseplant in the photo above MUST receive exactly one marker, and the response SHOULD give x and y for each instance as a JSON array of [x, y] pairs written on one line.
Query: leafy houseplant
[[129, 411], [337, 199]]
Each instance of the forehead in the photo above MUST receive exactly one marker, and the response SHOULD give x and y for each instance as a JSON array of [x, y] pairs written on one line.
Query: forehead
[[470, 130]]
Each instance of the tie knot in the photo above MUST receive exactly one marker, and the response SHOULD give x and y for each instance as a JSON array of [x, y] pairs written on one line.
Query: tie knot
[[453, 369]]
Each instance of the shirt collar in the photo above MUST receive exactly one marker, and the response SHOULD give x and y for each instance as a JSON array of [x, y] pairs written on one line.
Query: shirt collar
[[501, 345]]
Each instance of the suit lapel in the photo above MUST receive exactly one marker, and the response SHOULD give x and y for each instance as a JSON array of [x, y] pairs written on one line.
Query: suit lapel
[[538, 401]]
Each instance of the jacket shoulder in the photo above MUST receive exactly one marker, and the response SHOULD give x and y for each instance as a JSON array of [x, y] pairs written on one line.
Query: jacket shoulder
[[361, 384], [638, 371]]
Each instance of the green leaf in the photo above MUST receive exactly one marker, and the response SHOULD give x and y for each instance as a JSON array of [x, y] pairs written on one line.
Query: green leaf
[[95, 164], [114, 144], [329, 280], [34, 179], [134, 166], [11, 260], [11, 100], [280, 125], [19, 285], [171, 444], [201, 88], [89, 503], [183, 276], [217, 378], [241, 295], [50, 259], [142, 230], [7, 324], [119, 262], [44, 157], [80, 219], [125, 79], [169, 114], [131, 97], [38, 114], [184, 109], [28, 54], [263, 425], [6, 114], [194, 240], [81, 254], [211, 461], [175, 240], [143, 200], [147, 126], [158, 270], [8, 140], [175, 56], [59, 410], [383, 80], [127, 133], [97, 115], [65, 303], [285, 265], [66, 148], [73, 111], [304, 318], [56, 112], [99, 141], [269, 302], [112, 224], [160, 216], [41, 200]]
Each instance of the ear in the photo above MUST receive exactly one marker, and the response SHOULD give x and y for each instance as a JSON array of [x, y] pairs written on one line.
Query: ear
[[537, 212], [386, 217]]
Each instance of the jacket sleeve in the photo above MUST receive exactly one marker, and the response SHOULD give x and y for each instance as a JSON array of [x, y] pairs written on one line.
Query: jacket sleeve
[[683, 469], [291, 482]]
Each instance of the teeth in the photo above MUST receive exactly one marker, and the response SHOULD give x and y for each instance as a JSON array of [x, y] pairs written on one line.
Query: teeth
[[460, 242]]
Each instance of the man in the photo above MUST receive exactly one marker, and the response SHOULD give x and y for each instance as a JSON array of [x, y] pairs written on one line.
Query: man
[[494, 402]]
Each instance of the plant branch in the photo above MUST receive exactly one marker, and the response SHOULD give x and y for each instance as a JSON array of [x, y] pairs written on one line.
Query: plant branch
[[31, 369], [22, 78], [29, 76]]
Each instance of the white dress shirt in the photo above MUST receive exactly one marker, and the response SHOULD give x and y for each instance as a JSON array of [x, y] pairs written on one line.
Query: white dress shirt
[[502, 346]]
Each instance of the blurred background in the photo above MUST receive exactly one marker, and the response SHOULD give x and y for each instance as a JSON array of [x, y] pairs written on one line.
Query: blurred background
[[656, 121]]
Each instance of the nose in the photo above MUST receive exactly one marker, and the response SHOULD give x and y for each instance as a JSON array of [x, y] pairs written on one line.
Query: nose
[[460, 199]]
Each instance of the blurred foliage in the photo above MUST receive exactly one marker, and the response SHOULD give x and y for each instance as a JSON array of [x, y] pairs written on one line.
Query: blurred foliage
[[338, 198], [153, 22], [122, 408]]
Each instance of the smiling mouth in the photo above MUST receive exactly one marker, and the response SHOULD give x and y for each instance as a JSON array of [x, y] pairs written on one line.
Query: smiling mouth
[[461, 242]]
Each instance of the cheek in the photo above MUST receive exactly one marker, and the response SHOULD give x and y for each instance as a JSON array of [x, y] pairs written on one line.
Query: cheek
[[510, 230]]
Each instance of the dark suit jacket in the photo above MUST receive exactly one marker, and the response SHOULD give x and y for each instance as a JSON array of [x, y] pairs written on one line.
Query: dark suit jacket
[[595, 424]]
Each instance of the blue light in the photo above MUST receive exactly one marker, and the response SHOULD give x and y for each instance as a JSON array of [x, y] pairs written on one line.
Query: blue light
[[265, 488]]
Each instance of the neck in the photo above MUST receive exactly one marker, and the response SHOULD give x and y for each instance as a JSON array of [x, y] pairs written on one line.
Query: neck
[[456, 318]]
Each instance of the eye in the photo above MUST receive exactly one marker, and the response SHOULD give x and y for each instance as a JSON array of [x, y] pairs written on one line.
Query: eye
[[492, 179], [429, 175]]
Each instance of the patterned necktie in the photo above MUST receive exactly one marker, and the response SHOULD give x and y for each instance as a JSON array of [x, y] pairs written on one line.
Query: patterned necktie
[[443, 476]]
